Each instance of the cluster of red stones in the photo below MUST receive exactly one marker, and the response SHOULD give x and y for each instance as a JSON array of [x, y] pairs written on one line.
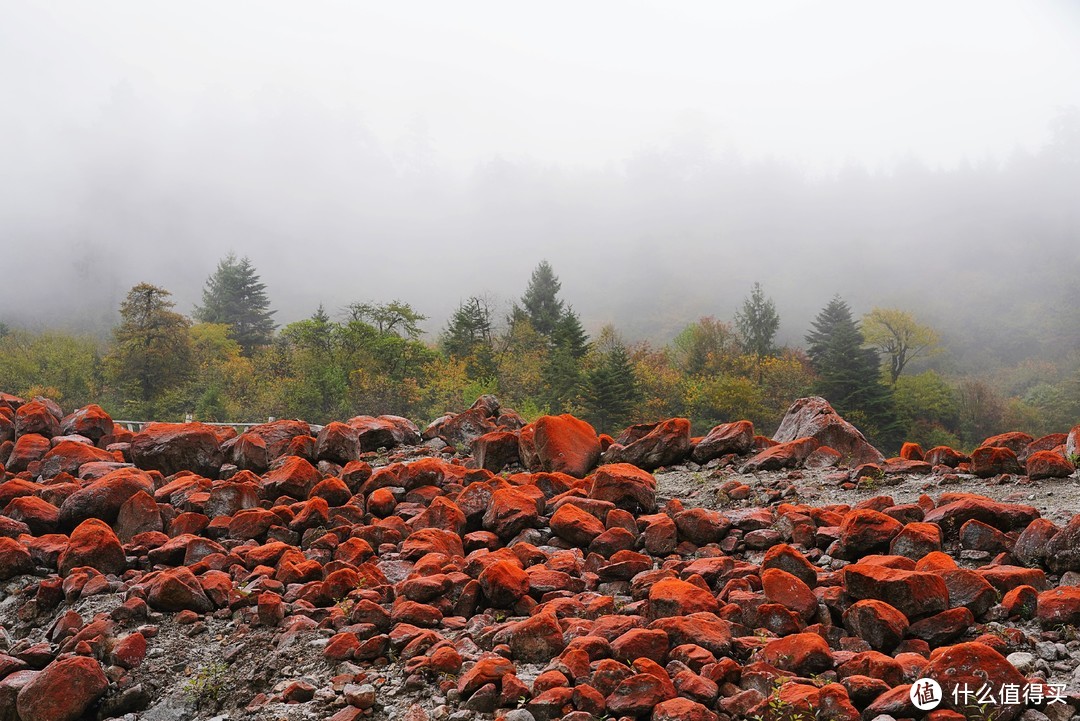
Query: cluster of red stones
[[564, 587]]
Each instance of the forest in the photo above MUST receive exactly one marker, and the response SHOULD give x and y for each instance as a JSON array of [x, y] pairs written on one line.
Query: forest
[[229, 361]]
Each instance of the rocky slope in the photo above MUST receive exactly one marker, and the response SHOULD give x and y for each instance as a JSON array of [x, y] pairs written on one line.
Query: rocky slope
[[488, 568]]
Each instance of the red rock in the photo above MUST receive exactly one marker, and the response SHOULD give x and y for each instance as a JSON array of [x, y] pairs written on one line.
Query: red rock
[[912, 452], [865, 531], [89, 421], [563, 444], [35, 417], [129, 651], [298, 692], [69, 456], [93, 544], [139, 514], [1015, 441], [314, 513], [628, 487], [177, 589], [230, 497], [660, 534], [913, 593], [874, 664], [1048, 464], [790, 454], [104, 497], [1022, 602], [381, 502], [431, 540], [964, 507], [703, 629], [496, 450], [702, 526], [641, 643], [15, 559], [672, 597], [1051, 442], [248, 452], [638, 694], [537, 639], [1005, 578], [789, 591], [29, 448], [338, 443], [252, 523], [277, 435], [916, 540], [651, 445], [63, 691], [271, 609], [503, 583], [803, 653], [39, 515], [814, 418], [1061, 552], [1058, 607], [682, 709], [290, 476], [945, 456], [575, 526], [786, 558], [510, 512], [943, 628], [978, 536], [970, 590], [489, 669], [737, 438], [877, 623], [461, 429], [973, 665], [823, 457], [990, 461], [174, 447]]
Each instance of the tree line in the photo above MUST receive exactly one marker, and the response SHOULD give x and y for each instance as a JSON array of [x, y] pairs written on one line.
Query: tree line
[[229, 361]]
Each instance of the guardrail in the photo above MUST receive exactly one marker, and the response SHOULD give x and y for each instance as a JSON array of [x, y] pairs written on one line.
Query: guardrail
[[136, 426]]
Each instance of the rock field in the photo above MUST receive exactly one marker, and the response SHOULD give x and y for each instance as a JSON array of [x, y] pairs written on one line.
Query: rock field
[[487, 568]]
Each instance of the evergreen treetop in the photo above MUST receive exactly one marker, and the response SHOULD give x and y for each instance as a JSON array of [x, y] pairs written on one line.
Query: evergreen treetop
[[758, 322], [234, 295], [540, 303]]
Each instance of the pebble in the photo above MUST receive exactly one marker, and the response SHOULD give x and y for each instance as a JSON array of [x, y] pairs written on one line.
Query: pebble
[[1023, 661], [519, 714], [1046, 650]]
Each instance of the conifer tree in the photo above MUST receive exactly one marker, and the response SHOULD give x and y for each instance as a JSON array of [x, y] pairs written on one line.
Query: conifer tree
[[610, 390], [540, 304], [758, 322], [848, 373], [468, 336], [152, 351], [234, 295]]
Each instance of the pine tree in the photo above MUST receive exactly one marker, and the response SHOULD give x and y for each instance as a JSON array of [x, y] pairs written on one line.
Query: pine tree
[[569, 335], [610, 390], [848, 373], [540, 303], [235, 296], [758, 322], [152, 351], [468, 336]]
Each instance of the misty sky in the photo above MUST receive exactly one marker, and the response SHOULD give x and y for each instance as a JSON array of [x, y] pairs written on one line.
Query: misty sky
[[431, 150]]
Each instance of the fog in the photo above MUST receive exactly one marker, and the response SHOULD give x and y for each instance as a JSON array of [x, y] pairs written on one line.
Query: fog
[[662, 157]]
